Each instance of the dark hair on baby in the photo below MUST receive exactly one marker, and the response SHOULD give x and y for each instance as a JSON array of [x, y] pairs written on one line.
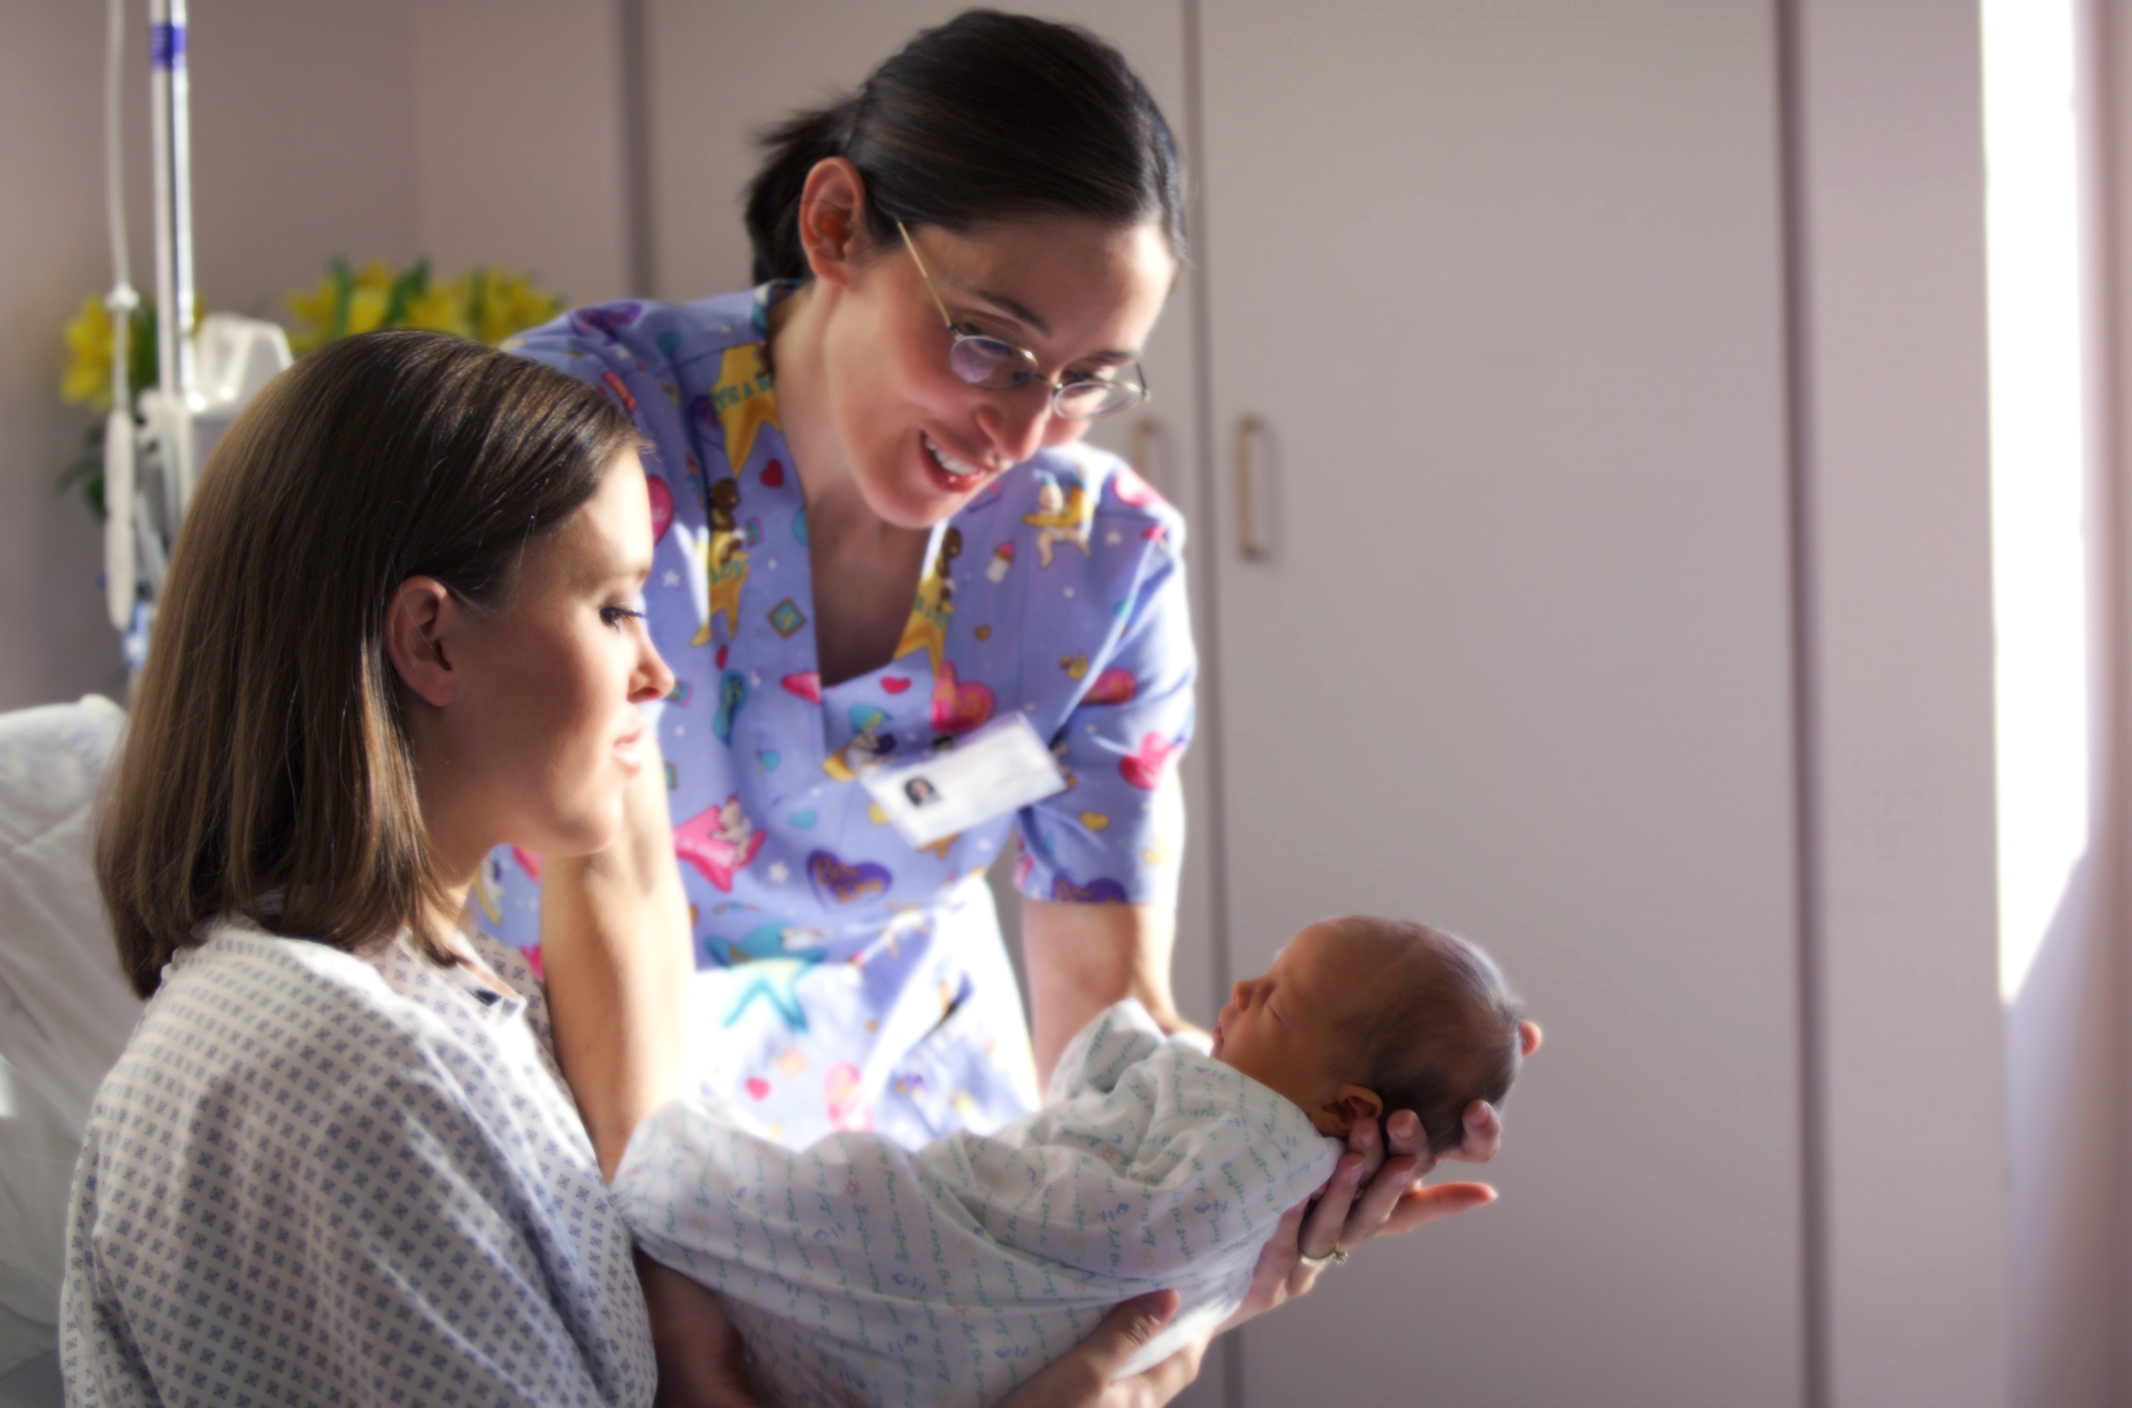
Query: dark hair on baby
[[1443, 1031], [986, 117]]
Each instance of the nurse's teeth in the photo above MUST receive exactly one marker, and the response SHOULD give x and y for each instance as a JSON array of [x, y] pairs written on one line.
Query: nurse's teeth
[[949, 463]]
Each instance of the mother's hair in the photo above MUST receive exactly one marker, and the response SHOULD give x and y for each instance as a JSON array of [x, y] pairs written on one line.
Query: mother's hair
[[987, 117], [266, 770]]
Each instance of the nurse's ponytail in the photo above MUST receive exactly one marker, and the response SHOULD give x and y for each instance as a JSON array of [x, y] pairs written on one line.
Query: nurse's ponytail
[[987, 117]]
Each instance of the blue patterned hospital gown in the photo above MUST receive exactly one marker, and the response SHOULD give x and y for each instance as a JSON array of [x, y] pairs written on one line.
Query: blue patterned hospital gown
[[847, 980], [318, 1178], [861, 1272]]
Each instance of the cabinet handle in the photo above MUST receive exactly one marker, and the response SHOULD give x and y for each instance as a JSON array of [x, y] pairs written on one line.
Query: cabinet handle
[[1145, 430], [1255, 549]]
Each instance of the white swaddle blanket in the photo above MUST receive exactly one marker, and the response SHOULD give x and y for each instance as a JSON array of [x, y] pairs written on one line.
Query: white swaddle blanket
[[859, 1271]]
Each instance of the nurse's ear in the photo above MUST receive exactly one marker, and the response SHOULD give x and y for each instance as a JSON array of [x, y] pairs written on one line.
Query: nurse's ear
[[832, 221], [418, 620]]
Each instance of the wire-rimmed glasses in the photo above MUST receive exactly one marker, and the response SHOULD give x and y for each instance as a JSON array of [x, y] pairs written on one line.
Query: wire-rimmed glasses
[[996, 365]]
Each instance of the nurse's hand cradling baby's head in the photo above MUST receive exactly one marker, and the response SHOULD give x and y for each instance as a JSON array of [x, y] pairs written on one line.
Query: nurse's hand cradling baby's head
[[1358, 1018]]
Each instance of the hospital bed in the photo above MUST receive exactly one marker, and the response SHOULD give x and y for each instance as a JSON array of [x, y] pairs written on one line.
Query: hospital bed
[[65, 1013]]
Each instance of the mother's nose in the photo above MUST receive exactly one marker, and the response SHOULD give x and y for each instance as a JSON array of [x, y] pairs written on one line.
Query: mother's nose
[[652, 679]]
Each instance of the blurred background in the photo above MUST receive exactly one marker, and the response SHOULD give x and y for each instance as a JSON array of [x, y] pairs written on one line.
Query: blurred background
[[1656, 476]]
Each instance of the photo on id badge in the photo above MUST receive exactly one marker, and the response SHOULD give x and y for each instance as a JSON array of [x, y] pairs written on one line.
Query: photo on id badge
[[999, 768]]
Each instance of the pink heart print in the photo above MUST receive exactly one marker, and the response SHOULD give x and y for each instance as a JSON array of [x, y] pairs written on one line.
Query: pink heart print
[[1132, 489], [1144, 768], [758, 1088], [662, 506], [1113, 686], [959, 707]]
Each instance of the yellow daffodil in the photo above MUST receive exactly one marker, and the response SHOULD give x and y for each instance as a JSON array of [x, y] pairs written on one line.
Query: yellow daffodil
[[88, 376], [488, 305], [87, 379], [504, 303], [440, 308]]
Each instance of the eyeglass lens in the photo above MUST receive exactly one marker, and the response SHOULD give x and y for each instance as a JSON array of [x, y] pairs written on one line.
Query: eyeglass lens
[[1000, 366]]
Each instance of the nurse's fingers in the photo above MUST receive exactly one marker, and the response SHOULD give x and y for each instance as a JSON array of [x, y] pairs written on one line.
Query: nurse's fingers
[[1326, 1229], [1081, 1378], [1426, 1204]]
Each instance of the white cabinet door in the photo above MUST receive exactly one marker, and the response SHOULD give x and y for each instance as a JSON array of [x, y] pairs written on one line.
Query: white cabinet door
[[1503, 282]]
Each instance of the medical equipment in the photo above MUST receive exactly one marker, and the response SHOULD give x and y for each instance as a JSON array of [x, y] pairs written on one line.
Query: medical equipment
[[154, 445]]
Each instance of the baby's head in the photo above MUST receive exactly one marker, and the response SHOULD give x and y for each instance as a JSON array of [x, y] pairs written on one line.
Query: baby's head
[[1360, 1017]]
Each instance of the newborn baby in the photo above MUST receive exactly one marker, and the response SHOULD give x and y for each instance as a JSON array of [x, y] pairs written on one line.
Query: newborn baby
[[858, 1271]]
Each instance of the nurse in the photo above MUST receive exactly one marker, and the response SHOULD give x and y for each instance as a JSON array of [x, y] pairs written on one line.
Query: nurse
[[879, 535]]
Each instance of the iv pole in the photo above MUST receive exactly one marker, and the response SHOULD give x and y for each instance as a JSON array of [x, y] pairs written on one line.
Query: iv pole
[[203, 377], [171, 132]]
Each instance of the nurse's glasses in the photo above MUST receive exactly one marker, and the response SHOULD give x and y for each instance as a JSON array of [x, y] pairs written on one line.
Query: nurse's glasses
[[1001, 366]]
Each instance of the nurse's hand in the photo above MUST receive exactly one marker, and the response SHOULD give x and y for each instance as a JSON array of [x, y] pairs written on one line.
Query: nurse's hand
[[1081, 1377], [1374, 1190]]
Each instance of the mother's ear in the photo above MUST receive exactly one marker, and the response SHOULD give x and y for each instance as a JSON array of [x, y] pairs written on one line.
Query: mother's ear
[[417, 619]]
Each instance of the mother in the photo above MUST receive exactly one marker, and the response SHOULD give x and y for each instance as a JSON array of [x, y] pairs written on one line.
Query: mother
[[880, 531]]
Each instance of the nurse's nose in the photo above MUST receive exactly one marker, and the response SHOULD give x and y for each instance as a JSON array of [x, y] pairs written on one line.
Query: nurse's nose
[[1015, 422]]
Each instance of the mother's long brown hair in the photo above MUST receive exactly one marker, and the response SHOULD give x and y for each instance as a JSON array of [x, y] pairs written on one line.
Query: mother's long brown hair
[[265, 770]]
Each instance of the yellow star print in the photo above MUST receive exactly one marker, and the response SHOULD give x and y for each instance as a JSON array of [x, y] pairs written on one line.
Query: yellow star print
[[744, 400], [927, 625]]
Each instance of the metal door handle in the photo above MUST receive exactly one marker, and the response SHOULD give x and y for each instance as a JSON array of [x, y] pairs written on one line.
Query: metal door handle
[[1254, 548], [1145, 430]]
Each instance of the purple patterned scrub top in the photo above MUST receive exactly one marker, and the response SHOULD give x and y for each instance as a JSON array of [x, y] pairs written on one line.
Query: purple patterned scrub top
[[846, 980]]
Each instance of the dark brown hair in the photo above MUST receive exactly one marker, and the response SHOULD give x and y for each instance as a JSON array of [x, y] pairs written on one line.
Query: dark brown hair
[[1442, 1030], [266, 770], [987, 117]]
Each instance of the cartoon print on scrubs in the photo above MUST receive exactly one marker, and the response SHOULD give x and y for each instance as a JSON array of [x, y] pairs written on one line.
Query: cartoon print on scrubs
[[1062, 516], [725, 561], [928, 623], [846, 978]]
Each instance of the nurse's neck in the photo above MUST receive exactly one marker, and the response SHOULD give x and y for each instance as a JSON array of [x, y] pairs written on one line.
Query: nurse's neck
[[865, 570], [806, 415]]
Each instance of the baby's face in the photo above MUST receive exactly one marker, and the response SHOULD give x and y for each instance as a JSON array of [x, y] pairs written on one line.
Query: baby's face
[[1290, 1029]]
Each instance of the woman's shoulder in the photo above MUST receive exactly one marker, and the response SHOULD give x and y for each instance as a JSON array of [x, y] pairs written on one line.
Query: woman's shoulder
[[671, 341], [246, 999]]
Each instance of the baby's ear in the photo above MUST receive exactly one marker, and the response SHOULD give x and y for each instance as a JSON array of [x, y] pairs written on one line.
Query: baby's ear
[[1353, 1105]]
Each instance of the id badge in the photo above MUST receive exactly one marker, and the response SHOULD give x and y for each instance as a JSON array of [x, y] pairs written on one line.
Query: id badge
[[996, 769]]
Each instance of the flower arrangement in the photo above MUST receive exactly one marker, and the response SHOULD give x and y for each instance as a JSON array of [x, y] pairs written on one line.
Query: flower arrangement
[[487, 305]]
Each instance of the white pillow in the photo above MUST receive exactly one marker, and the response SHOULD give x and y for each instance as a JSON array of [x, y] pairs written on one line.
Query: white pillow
[[65, 1009]]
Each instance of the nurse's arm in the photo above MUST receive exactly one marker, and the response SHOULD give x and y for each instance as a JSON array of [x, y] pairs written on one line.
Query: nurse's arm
[[1083, 957], [614, 939]]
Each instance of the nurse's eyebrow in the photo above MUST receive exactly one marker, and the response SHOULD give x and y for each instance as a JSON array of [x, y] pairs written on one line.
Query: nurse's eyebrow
[[1021, 314]]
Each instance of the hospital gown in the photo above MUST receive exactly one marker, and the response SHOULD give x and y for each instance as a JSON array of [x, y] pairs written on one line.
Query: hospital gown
[[316, 1178], [861, 1272], [848, 979]]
